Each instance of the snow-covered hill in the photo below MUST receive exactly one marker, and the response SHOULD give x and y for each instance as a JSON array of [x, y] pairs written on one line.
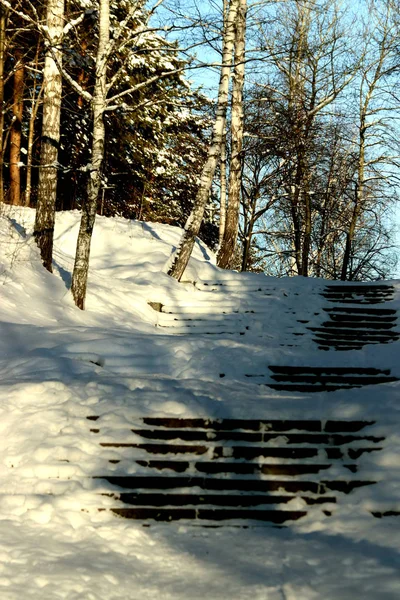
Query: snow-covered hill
[[205, 355]]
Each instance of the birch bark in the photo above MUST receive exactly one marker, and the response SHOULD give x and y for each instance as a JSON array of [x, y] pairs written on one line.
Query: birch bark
[[99, 104], [223, 164], [182, 255], [52, 91], [226, 252]]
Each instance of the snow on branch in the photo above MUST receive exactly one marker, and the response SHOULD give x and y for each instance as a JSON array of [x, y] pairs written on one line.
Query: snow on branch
[[139, 86]]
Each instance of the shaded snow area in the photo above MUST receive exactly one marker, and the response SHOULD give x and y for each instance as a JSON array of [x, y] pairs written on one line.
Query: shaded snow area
[[206, 355]]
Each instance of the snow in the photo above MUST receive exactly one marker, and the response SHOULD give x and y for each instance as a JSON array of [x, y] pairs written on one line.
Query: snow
[[119, 361]]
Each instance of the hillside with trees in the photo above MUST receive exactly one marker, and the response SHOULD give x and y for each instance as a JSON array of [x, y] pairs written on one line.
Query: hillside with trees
[[289, 167]]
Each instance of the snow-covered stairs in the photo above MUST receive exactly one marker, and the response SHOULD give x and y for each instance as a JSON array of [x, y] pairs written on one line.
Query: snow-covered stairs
[[208, 471], [359, 293], [326, 379], [233, 307], [356, 323]]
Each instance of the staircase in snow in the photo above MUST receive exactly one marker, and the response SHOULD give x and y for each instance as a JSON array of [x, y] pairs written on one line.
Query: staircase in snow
[[348, 321], [354, 322], [210, 471], [228, 471]]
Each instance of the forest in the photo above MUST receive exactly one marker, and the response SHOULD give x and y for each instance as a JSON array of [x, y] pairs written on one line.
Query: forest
[[267, 128]]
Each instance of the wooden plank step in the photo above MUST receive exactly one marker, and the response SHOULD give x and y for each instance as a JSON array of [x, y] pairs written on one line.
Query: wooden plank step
[[200, 331], [237, 452], [355, 298], [238, 468], [175, 514], [217, 318], [300, 369], [242, 436], [361, 311], [244, 452], [350, 342], [263, 425], [362, 302], [335, 379], [362, 319], [234, 424], [239, 285], [293, 486], [361, 326], [351, 335], [338, 348], [357, 287], [339, 293], [163, 499], [307, 388]]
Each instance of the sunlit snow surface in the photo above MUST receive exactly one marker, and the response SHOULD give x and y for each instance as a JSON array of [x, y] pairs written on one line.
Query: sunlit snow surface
[[58, 365]]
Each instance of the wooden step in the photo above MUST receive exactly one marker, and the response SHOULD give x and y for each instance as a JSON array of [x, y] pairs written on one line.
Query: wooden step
[[361, 326], [292, 486], [364, 320], [239, 470], [192, 514], [312, 438], [299, 369], [309, 388], [234, 424], [353, 310], [364, 287], [225, 499], [334, 379], [349, 341], [349, 335]]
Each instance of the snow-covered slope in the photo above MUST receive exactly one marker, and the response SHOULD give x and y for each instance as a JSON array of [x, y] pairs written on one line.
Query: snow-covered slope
[[205, 355]]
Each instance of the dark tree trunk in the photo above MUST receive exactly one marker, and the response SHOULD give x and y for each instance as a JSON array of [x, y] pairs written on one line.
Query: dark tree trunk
[[16, 129]]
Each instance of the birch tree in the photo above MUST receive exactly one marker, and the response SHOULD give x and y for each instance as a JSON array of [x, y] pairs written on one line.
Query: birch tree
[[373, 123], [52, 94], [227, 249], [134, 25], [99, 104], [182, 255], [311, 52]]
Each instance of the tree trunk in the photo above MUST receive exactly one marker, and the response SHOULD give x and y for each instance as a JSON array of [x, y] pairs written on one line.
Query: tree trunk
[[81, 266], [351, 232], [52, 92], [359, 194], [223, 194], [247, 245], [16, 129], [192, 226], [226, 252], [223, 165], [35, 102], [3, 22]]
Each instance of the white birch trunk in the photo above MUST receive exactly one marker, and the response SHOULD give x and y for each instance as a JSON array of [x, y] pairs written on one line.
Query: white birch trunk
[[226, 252], [192, 226], [223, 189], [81, 266], [52, 93], [223, 172]]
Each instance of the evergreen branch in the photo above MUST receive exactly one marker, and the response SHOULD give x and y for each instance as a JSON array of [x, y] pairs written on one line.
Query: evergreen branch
[[141, 85]]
